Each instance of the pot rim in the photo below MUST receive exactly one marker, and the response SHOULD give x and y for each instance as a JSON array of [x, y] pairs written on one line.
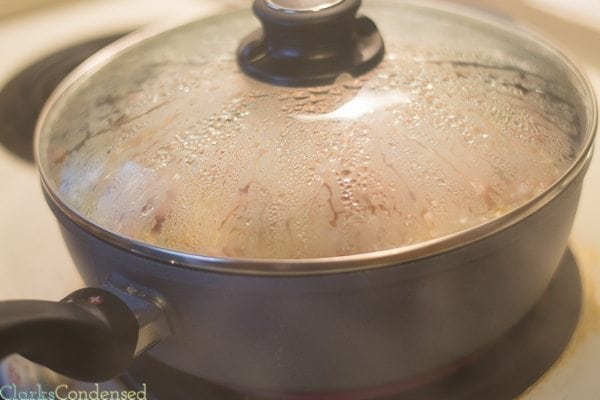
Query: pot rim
[[337, 264]]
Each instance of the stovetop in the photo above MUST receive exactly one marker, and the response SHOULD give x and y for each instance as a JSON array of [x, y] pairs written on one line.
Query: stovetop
[[554, 352]]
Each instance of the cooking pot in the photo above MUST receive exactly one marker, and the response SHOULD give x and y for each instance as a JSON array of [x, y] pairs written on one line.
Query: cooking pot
[[175, 161]]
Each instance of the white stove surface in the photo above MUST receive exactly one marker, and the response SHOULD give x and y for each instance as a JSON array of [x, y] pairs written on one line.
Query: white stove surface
[[34, 262]]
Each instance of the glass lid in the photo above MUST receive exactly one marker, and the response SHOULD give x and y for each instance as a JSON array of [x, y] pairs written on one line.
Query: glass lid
[[459, 124]]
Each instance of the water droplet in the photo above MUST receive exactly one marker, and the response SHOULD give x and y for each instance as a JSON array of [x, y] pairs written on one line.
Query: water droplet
[[300, 94], [319, 90], [353, 84]]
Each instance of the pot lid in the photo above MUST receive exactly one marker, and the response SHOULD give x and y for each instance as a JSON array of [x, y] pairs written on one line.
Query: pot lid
[[296, 142]]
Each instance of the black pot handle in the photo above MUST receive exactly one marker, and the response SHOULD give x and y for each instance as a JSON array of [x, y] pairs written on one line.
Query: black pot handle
[[307, 43], [91, 335]]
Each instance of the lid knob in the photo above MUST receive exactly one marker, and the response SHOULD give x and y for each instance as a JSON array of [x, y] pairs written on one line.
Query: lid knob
[[302, 5], [309, 42]]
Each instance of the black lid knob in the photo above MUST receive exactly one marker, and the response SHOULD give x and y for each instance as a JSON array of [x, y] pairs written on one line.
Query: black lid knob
[[309, 42]]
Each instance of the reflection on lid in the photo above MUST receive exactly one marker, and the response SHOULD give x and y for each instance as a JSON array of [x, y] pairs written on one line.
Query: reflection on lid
[[366, 102]]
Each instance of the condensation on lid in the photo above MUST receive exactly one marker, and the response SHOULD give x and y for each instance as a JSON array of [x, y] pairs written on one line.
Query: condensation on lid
[[171, 144]]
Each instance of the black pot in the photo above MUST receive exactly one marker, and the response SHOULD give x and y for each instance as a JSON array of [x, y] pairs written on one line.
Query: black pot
[[322, 325]]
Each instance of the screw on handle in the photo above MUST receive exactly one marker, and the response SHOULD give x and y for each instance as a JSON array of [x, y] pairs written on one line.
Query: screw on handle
[[90, 336], [309, 42]]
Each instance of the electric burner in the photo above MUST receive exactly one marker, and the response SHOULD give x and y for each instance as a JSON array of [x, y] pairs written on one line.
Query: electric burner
[[22, 98], [501, 371]]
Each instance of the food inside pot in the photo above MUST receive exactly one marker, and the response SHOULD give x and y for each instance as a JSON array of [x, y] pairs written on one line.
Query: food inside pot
[[184, 151]]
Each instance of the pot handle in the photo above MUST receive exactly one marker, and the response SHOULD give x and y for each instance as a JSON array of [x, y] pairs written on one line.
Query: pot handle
[[92, 335]]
